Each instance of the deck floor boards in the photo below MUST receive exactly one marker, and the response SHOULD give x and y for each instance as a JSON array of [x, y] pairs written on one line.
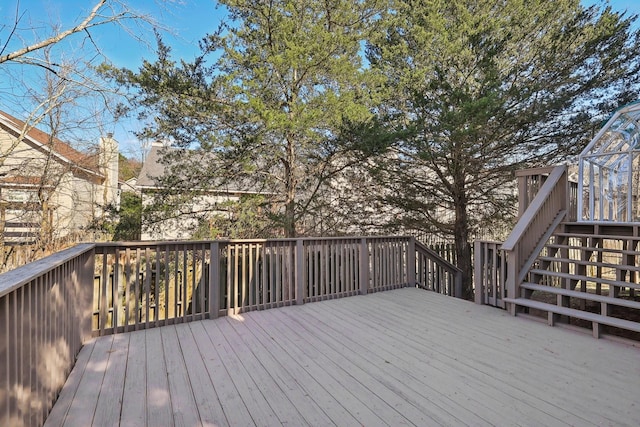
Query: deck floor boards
[[402, 357], [134, 406], [272, 377], [60, 411], [113, 383], [531, 368], [83, 405], [309, 376], [204, 392], [157, 398], [183, 404], [234, 409]]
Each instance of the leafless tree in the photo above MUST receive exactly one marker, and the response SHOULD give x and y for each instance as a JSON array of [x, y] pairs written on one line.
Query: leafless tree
[[48, 80], [103, 12]]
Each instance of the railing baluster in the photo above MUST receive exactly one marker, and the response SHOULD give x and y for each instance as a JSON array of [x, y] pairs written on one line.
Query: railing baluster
[[176, 286]]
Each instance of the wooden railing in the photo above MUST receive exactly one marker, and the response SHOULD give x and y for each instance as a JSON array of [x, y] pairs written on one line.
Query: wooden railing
[[153, 284], [436, 274], [49, 308], [489, 273], [45, 317], [533, 229], [530, 181]]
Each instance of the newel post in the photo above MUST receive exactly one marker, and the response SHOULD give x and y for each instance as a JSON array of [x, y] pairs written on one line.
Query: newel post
[[364, 267], [478, 276], [214, 279], [512, 277], [523, 195], [411, 262], [86, 276], [299, 279], [457, 285]]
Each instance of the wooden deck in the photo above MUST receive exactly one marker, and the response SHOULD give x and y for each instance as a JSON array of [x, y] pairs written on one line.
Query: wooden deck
[[403, 357]]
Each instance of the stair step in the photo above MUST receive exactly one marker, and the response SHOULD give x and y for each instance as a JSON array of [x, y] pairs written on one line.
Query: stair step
[[592, 249], [584, 295], [577, 314], [594, 263], [602, 229], [577, 277], [597, 236]]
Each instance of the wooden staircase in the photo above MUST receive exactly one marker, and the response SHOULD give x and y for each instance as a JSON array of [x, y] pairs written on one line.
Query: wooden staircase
[[587, 274], [579, 273]]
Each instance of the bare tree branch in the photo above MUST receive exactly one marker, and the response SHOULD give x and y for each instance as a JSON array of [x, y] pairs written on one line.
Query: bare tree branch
[[91, 20], [13, 29]]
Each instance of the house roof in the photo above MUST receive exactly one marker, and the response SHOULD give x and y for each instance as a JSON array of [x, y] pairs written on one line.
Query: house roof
[[151, 169], [154, 167], [49, 144]]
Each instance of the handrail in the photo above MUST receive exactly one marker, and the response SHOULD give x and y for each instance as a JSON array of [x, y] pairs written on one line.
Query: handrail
[[532, 212], [282, 239], [547, 208], [530, 182], [145, 284], [13, 279], [436, 273], [437, 258]]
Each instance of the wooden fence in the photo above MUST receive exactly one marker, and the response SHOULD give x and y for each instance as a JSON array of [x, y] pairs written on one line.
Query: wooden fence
[[50, 307], [14, 256]]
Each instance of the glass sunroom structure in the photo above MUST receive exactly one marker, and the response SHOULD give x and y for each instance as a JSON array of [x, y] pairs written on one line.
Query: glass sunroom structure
[[609, 170]]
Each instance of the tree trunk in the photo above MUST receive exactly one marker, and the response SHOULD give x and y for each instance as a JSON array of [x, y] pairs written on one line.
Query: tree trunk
[[290, 190], [289, 220], [463, 246]]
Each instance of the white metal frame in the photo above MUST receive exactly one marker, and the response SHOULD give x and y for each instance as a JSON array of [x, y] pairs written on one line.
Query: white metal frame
[[610, 157]]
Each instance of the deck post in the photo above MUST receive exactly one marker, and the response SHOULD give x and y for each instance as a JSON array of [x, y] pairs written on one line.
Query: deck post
[[522, 195], [411, 262], [458, 285], [364, 267], [596, 330], [214, 279], [86, 276], [512, 273], [478, 276], [299, 260]]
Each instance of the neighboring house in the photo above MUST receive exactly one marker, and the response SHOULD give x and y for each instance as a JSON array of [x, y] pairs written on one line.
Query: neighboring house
[[184, 216], [348, 203], [49, 190], [129, 186]]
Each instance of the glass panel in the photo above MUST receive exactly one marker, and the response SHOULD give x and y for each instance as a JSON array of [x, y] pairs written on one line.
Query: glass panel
[[610, 167]]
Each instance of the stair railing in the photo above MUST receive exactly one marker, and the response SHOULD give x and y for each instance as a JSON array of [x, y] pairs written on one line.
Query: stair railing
[[435, 273], [536, 224]]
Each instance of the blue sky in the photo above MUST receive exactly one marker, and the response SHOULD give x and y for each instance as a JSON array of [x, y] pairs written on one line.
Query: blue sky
[[186, 22], [182, 24]]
